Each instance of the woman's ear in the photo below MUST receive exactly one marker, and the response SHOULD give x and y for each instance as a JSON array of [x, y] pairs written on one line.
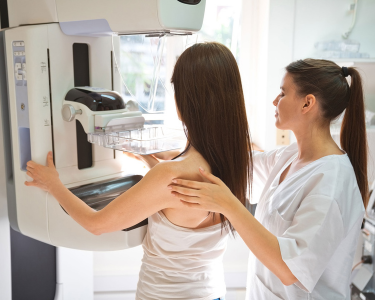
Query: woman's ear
[[308, 103]]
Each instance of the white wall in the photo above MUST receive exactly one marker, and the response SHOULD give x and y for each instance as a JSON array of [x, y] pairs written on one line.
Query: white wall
[[321, 20], [282, 31]]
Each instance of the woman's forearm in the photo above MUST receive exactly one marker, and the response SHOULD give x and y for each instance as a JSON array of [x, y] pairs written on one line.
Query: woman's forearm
[[75, 207], [263, 244], [149, 160]]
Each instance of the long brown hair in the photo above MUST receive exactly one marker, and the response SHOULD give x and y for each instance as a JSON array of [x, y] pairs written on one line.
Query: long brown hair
[[210, 100], [326, 81]]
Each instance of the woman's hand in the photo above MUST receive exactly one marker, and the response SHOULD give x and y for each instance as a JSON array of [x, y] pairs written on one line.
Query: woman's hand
[[45, 178], [214, 196]]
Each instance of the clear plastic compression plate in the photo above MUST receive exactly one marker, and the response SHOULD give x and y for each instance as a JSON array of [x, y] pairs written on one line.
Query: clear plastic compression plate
[[147, 140]]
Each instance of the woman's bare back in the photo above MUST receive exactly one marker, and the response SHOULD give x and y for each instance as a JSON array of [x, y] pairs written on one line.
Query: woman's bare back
[[186, 167]]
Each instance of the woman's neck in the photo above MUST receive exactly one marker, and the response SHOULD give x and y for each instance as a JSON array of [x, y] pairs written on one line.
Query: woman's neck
[[315, 142], [191, 151]]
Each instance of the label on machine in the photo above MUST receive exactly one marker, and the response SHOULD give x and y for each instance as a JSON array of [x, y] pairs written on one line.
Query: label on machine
[[20, 79]]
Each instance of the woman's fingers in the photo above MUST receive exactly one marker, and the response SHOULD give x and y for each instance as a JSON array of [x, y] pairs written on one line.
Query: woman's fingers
[[210, 177], [30, 183], [192, 205], [190, 199], [188, 183], [50, 160], [184, 191], [30, 174], [31, 164]]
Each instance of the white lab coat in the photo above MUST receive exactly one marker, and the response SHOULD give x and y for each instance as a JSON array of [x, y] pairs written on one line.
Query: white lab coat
[[316, 214]]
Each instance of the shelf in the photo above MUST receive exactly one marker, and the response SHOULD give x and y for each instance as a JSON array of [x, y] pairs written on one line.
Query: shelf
[[148, 140], [352, 60]]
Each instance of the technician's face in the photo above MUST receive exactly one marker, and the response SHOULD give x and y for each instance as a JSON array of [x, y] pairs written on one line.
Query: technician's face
[[287, 103]]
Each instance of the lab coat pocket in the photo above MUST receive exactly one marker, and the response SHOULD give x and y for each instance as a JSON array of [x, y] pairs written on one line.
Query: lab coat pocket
[[280, 225], [261, 292]]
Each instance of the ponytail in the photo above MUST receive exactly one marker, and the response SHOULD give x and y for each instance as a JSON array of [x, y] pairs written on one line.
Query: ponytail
[[327, 81], [353, 136]]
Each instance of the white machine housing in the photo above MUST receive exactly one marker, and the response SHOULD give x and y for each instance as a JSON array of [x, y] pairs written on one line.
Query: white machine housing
[[98, 17], [49, 77], [40, 71]]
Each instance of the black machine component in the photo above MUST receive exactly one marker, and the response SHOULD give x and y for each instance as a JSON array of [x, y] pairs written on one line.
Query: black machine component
[[191, 2], [84, 148], [99, 194], [81, 69], [96, 101], [81, 66], [358, 295], [4, 15], [33, 268]]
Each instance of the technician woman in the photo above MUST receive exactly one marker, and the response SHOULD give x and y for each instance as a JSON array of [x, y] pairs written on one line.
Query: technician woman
[[307, 222]]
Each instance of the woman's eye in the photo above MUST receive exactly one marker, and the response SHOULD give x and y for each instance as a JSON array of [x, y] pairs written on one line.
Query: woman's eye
[[281, 94]]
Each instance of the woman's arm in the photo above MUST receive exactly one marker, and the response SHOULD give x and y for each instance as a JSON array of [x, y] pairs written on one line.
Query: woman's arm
[[153, 159], [149, 160], [218, 198], [141, 201]]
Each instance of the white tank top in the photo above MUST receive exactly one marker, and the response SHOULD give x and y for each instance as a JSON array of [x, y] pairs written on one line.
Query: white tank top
[[181, 263]]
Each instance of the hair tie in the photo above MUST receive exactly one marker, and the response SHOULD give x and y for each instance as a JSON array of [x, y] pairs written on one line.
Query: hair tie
[[345, 71]]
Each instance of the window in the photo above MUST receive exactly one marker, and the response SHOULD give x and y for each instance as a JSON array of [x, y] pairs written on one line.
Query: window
[[147, 62]]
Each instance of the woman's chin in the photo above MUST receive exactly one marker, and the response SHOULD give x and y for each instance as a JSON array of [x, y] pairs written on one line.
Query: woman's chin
[[277, 124]]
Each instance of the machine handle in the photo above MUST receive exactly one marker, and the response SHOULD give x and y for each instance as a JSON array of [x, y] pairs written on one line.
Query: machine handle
[[69, 112]]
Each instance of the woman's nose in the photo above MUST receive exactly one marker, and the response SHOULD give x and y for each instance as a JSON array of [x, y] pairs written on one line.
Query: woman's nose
[[276, 101]]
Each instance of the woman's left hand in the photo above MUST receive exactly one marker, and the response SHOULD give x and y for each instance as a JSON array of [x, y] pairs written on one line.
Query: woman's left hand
[[44, 177], [214, 196]]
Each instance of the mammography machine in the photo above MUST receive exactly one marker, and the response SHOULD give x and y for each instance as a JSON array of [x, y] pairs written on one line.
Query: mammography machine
[[58, 83]]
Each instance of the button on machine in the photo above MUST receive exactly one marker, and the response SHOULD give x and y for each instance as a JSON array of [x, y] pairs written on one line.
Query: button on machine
[[18, 44], [19, 62]]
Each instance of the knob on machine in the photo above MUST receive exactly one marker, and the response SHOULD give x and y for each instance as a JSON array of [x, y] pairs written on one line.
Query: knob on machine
[[69, 112]]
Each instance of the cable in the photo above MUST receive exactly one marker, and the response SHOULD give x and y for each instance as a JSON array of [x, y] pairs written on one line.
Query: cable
[[356, 265], [346, 34], [126, 87], [366, 259]]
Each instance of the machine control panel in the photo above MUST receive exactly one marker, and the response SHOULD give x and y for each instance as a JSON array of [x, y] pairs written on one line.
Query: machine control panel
[[20, 77], [20, 62]]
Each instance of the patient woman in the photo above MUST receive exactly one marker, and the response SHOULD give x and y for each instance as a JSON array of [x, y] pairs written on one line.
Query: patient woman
[[183, 248]]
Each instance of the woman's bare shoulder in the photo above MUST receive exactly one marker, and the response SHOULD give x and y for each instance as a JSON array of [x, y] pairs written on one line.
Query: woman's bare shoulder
[[165, 170], [168, 170]]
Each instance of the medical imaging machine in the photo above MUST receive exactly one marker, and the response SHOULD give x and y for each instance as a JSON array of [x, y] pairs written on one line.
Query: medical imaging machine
[[60, 91]]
